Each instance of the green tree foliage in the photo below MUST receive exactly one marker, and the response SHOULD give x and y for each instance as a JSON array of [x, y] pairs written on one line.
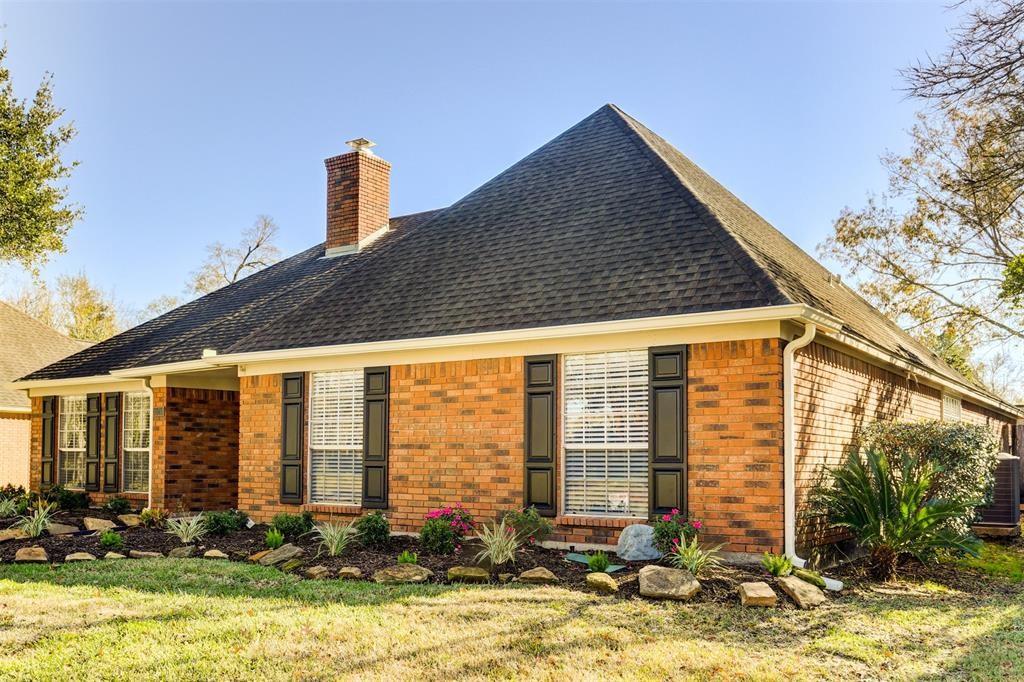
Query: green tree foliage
[[35, 215]]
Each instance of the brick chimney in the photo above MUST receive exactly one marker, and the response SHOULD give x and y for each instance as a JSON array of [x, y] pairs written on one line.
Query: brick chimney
[[358, 195]]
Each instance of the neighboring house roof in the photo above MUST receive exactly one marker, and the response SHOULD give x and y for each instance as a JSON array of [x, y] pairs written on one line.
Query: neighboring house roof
[[27, 345], [606, 222]]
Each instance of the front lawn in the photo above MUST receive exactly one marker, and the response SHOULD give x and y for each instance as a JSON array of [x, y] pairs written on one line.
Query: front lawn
[[195, 619]]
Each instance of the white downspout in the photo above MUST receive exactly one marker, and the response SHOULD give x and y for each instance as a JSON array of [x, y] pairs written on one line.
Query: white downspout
[[789, 449]]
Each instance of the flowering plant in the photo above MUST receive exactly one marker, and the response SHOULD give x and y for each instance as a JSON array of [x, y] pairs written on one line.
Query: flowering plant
[[671, 527], [457, 518]]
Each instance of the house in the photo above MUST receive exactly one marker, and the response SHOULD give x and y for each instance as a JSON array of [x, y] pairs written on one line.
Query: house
[[602, 331], [25, 345]]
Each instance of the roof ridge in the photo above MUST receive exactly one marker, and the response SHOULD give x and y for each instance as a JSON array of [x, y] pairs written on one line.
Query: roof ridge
[[746, 260]]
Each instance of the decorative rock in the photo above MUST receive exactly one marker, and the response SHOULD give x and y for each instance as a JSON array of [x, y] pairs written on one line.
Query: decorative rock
[[130, 520], [280, 555], [808, 576], [31, 555], [506, 577], [214, 554], [659, 582], [806, 595], [79, 556], [259, 555], [12, 534], [61, 529], [135, 554], [97, 524], [113, 556], [402, 573], [290, 565], [349, 573], [317, 572], [181, 552], [602, 582], [467, 574], [538, 576], [757, 594], [636, 543]]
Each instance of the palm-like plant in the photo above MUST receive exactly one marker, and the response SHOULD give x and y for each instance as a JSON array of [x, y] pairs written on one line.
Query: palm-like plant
[[335, 537], [891, 513], [188, 529]]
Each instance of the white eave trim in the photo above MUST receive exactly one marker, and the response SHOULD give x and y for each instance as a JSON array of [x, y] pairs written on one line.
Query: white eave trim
[[798, 312], [19, 409]]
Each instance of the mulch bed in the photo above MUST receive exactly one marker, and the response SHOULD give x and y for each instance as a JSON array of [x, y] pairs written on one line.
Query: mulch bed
[[243, 543]]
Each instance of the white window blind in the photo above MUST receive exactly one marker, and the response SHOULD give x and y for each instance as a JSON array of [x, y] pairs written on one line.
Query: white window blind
[[71, 441], [605, 433], [951, 408], [336, 437], [135, 430]]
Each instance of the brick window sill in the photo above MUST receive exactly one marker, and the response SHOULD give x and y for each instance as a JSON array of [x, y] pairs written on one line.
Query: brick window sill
[[346, 509], [599, 521]]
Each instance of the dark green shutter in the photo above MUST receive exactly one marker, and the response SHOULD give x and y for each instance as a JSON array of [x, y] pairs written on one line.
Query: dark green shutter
[[111, 440], [46, 441], [667, 420], [375, 437], [292, 423], [92, 441], [539, 446]]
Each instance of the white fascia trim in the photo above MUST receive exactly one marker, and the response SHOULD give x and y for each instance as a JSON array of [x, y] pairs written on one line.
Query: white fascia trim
[[20, 409], [766, 313], [934, 377], [41, 383], [167, 368]]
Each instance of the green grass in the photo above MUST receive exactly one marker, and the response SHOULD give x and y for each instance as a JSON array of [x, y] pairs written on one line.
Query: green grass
[[195, 620], [999, 561]]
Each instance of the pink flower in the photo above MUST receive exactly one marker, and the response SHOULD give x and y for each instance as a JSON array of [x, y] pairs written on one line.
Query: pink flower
[[666, 517], [697, 525], [675, 511]]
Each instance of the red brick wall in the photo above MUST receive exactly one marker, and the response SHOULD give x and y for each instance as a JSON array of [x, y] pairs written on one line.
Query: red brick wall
[[358, 195], [15, 435], [837, 397], [259, 447], [200, 449], [735, 443]]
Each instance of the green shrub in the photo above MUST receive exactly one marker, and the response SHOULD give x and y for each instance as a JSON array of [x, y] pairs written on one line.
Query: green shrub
[[188, 529], [225, 522], [67, 499], [37, 521], [891, 514], [963, 458], [598, 562], [407, 557], [456, 516], [694, 558], [777, 564], [529, 525], [374, 530], [8, 507], [110, 539], [672, 528], [11, 492], [153, 518], [500, 543], [118, 505], [274, 538], [293, 525], [438, 536], [335, 537]]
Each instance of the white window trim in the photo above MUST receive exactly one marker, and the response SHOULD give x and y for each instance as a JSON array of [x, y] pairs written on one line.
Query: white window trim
[[60, 431], [148, 450], [563, 510], [307, 426]]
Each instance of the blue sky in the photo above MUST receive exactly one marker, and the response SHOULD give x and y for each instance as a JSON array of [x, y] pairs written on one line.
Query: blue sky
[[196, 117]]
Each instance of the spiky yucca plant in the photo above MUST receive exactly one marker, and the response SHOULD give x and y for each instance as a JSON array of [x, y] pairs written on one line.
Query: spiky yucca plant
[[500, 541], [188, 529], [37, 521], [335, 537], [890, 513]]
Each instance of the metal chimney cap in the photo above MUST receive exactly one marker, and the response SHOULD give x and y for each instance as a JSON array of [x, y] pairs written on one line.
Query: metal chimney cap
[[361, 145]]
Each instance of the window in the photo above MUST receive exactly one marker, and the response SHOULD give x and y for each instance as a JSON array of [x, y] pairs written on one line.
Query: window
[[135, 430], [950, 408], [604, 422], [336, 437], [71, 441]]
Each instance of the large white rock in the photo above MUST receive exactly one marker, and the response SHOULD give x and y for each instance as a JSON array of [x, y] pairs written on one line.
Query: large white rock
[[659, 582], [636, 543]]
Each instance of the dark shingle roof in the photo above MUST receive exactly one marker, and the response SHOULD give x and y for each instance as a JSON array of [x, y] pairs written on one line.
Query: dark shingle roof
[[605, 222], [25, 345]]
